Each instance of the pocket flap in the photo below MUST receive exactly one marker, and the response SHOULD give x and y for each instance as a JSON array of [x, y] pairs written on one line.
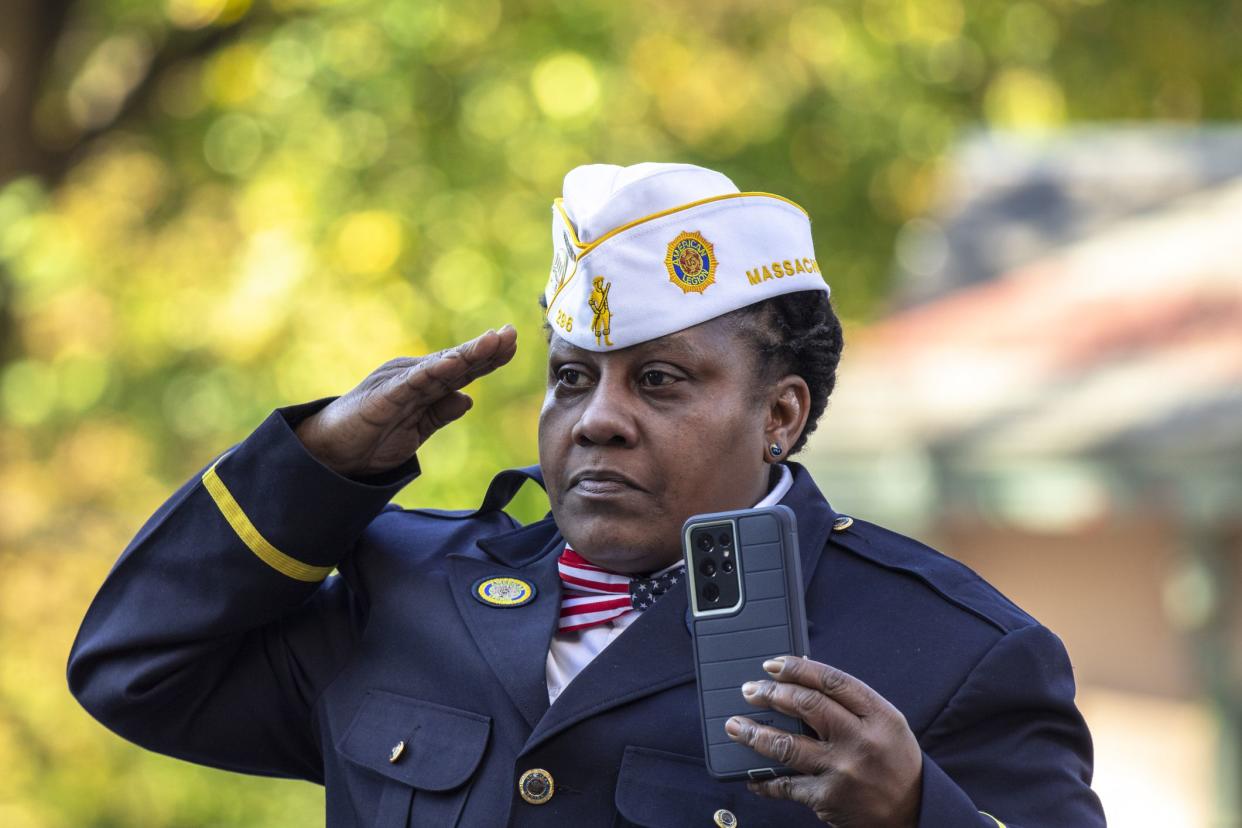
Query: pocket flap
[[443, 745], [658, 789]]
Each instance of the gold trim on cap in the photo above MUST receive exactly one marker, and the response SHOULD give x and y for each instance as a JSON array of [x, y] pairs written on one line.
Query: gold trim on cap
[[584, 249], [589, 246]]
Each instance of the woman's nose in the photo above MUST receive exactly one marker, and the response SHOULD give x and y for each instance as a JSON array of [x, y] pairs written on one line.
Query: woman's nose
[[608, 418]]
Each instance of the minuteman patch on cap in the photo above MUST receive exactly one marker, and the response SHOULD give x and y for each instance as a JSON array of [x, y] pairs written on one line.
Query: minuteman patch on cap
[[640, 252]]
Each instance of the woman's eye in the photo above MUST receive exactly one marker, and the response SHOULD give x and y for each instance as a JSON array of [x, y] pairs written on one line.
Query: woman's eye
[[568, 376], [656, 378]]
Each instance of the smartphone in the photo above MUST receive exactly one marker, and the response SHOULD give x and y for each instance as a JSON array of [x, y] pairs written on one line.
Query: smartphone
[[746, 603]]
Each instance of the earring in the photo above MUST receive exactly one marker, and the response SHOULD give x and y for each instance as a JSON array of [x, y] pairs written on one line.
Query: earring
[[776, 450]]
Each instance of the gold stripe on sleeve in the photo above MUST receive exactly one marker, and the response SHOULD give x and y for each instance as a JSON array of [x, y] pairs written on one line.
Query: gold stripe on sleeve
[[994, 819], [258, 544]]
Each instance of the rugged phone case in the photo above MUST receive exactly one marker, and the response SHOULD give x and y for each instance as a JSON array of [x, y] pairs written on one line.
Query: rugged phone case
[[729, 649]]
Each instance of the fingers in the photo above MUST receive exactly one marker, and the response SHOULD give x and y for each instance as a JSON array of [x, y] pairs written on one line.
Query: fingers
[[491, 349], [790, 749], [867, 767], [450, 408], [838, 685], [828, 718], [806, 790], [474, 358], [444, 411], [442, 373]]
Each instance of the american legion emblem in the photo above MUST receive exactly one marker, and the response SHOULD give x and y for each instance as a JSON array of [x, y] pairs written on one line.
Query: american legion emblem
[[503, 592], [691, 262]]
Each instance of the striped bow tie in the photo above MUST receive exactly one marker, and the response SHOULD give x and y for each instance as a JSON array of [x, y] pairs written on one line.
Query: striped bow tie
[[593, 595]]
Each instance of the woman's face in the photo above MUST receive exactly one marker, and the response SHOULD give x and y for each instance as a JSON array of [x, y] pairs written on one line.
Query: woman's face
[[634, 441]]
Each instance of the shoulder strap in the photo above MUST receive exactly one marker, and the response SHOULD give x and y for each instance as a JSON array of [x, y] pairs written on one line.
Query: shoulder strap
[[505, 485]]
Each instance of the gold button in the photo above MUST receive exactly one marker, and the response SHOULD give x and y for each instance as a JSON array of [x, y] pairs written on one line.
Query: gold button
[[397, 750], [842, 523], [724, 819], [536, 786]]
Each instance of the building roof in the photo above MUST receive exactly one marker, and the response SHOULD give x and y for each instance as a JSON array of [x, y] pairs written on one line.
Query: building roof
[[1118, 335], [1011, 198]]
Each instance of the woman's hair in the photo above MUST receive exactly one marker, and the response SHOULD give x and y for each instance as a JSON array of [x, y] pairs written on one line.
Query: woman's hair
[[794, 333]]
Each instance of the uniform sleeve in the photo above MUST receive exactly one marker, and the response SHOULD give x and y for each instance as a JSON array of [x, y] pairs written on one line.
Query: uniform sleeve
[[219, 625], [1010, 748]]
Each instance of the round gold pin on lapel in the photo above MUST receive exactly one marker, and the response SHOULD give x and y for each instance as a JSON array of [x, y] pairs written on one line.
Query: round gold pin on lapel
[[503, 592]]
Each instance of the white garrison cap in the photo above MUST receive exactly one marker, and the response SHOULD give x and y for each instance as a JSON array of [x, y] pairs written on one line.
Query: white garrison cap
[[642, 251]]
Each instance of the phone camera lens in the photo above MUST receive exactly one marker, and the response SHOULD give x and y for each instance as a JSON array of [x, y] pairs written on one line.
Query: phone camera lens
[[708, 568], [712, 593], [726, 567], [705, 542], [725, 541]]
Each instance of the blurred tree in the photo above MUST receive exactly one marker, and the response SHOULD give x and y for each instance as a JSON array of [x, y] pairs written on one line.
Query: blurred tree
[[31, 31], [209, 208]]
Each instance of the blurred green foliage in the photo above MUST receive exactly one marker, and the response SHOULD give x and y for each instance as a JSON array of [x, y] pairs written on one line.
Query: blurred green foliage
[[264, 202]]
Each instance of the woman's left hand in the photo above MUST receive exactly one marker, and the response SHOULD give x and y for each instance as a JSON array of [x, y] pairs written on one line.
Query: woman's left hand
[[866, 767]]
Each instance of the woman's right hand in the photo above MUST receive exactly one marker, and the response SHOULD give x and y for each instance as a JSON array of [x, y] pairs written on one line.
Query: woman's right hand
[[381, 423]]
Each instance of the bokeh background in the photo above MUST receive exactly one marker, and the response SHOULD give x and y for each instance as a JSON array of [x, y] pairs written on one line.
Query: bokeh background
[[1030, 213]]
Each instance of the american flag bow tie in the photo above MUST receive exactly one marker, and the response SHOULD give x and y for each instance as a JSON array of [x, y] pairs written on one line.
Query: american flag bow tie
[[593, 595]]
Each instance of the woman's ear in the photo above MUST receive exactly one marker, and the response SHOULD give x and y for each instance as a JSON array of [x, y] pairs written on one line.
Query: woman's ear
[[788, 407]]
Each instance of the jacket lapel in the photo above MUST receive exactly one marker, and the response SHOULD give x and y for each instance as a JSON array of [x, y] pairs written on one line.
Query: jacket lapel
[[513, 640], [653, 654]]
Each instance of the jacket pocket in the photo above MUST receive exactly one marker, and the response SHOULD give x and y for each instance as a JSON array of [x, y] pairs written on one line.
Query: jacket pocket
[[424, 752], [667, 790]]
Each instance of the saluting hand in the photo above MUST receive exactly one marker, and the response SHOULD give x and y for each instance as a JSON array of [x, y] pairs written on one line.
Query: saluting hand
[[865, 768], [381, 423]]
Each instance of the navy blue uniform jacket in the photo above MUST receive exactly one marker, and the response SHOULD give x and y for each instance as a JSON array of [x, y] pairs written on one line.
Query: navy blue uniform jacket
[[221, 638]]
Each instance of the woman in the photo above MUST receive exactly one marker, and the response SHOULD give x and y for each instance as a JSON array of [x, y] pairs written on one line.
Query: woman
[[464, 670]]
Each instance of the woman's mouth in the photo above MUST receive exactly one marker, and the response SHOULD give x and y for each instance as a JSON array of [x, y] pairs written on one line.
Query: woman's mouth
[[602, 483]]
